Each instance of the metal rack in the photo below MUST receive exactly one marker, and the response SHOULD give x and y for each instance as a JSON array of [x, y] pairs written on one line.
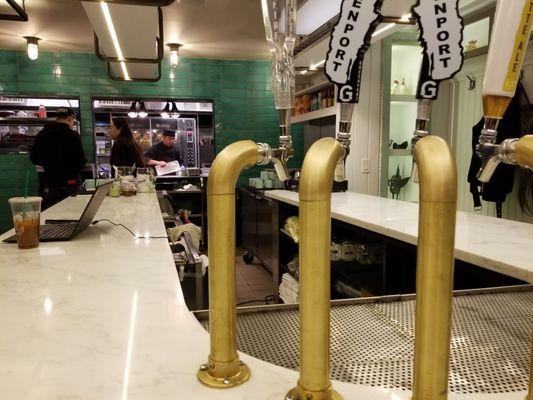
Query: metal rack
[[372, 339]]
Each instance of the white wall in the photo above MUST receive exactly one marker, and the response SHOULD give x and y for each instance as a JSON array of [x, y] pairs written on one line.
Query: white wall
[[366, 127]]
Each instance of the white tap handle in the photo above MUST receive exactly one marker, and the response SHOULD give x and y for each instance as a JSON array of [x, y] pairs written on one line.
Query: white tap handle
[[509, 40]]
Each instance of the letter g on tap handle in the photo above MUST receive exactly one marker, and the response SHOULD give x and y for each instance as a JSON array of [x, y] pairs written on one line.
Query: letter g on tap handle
[[441, 35], [349, 42]]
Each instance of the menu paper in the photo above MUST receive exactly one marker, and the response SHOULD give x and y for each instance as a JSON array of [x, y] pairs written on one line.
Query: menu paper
[[349, 42], [441, 35], [169, 168]]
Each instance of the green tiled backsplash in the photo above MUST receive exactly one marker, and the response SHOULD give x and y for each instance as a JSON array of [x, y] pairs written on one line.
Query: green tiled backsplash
[[241, 90]]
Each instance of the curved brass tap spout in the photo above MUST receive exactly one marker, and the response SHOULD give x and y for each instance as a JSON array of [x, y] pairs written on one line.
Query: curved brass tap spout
[[524, 152], [224, 368], [434, 270], [316, 183]]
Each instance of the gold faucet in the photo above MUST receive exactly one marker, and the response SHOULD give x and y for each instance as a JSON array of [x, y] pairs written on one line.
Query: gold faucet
[[434, 270], [316, 183], [223, 369]]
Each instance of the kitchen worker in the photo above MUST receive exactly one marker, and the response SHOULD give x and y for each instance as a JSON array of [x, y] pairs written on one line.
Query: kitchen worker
[[57, 148], [164, 151]]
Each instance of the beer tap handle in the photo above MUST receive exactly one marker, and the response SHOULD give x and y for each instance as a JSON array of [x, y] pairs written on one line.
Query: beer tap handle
[[510, 37]]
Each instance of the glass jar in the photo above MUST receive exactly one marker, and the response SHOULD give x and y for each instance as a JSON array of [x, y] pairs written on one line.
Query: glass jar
[[145, 180]]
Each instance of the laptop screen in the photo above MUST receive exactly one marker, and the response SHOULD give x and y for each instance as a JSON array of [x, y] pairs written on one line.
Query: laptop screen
[[92, 207]]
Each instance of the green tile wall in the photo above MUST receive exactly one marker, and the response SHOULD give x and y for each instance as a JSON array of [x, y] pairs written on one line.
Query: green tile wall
[[241, 90]]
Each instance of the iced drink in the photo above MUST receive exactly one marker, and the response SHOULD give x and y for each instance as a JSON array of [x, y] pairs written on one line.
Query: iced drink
[[26, 216]]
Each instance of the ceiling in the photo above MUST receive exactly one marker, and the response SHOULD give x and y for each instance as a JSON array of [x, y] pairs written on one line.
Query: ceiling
[[226, 29]]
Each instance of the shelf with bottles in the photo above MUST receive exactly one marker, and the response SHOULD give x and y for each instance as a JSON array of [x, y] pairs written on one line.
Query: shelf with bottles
[[325, 112], [315, 98], [402, 58], [406, 59]]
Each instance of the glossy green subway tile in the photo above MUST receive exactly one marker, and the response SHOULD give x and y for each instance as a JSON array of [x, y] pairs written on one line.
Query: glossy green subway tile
[[72, 59], [69, 80], [12, 78], [84, 70], [37, 78], [8, 57], [236, 93], [30, 70], [99, 80], [8, 69], [74, 89], [237, 85], [262, 94], [204, 93], [9, 89], [37, 87], [260, 85], [45, 59]]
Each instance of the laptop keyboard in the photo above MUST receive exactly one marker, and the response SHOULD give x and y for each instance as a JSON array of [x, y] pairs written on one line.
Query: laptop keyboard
[[56, 231]]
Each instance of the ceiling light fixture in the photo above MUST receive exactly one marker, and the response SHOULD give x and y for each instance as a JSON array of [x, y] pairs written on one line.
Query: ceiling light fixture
[[405, 18], [142, 110], [313, 67], [166, 111], [384, 29], [33, 47], [175, 112], [114, 38], [174, 54], [132, 113]]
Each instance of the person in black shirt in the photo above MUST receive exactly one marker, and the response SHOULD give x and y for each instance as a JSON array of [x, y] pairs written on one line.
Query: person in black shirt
[[57, 148], [164, 151], [125, 151]]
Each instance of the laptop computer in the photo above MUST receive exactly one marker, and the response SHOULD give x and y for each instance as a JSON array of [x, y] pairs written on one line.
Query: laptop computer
[[66, 231]]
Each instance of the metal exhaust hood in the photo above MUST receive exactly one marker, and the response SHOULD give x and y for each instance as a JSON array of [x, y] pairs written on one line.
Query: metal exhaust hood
[[128, 36]]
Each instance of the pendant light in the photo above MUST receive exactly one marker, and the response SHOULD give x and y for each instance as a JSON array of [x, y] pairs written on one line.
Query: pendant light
[[132, 113], [175, 112], [142, 110], [32, 47], [166, 111], [174, 54]]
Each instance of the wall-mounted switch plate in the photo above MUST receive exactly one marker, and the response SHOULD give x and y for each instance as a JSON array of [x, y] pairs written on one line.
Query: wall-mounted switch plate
[[365, 165]]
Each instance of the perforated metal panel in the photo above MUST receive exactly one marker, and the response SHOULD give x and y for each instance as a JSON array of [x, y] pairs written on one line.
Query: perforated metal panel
[[372, 344]]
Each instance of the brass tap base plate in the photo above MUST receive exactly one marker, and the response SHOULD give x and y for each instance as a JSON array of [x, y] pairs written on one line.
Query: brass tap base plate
[[299, 393], [239, 378]]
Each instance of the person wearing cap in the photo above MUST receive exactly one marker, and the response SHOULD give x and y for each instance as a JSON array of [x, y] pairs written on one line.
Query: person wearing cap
[[164, 151], [57, 148]]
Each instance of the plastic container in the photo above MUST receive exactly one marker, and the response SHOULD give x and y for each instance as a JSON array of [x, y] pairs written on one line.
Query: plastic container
[[26, 217]]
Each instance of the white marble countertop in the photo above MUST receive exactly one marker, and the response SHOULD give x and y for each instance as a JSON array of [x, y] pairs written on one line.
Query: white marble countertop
[[103, 317], [497, 244]]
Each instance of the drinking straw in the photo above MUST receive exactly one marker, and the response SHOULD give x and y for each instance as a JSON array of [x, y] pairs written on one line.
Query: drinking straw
[[26, 184]]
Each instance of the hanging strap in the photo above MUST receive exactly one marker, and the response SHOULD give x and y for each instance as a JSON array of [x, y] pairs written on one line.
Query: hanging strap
[[476, 196]]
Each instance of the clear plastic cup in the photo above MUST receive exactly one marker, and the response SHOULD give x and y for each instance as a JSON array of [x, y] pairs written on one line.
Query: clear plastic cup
[[26, 217]]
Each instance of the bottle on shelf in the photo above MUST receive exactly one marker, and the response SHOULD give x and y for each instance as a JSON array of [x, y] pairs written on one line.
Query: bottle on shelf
[[395, 87], [402, 89]]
